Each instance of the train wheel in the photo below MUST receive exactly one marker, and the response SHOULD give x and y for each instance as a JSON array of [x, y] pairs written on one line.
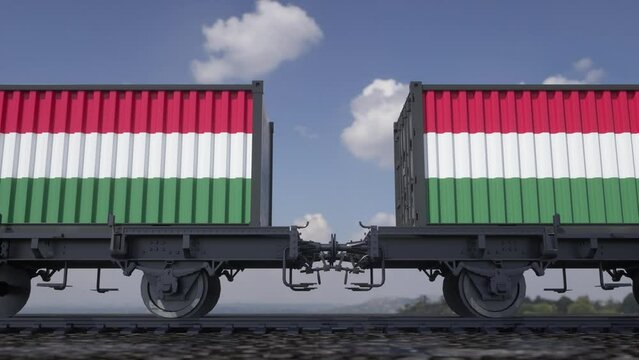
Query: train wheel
[[452, 297], [471, 290], [194, 297], [15, 287], [212, 296], [635, 287]]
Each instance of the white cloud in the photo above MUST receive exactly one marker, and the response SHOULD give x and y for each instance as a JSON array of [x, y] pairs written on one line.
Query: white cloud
[[595, 75], [318, 228], [305, 132], [382, 219], [584, 67], [255, 44], [370, 136], [559, 79], [583, 64]]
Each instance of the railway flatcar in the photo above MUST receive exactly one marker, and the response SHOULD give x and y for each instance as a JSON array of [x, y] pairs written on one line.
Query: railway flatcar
[[495, 180], [172, 180]]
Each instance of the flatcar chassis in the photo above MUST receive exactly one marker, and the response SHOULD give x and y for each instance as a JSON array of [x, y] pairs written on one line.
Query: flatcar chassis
[[182, 264], [482, 265]]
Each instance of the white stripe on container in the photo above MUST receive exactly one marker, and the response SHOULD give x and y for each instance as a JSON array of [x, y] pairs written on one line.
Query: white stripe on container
[[140, 155], [529, 155]]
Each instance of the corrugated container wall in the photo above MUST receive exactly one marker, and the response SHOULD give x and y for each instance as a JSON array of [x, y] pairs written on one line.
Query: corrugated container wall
[[146, 154], [518, 154]]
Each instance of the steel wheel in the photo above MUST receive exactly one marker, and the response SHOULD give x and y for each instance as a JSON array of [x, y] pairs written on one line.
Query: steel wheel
[[212, 296], [635, 287], [15, 287], [452, 297], [473, 302], [191, 300]]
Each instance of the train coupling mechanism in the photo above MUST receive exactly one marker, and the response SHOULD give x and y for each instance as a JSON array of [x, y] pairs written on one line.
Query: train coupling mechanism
[[354, 257]]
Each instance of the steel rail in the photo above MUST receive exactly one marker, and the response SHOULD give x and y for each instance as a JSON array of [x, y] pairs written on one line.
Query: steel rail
[[323, 323]]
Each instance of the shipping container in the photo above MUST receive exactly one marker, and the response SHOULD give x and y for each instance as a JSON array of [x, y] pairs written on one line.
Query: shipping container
[[492, 154], [160, 154]]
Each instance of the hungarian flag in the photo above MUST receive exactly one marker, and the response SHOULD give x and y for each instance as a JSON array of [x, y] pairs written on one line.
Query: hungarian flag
[[146, 156], [521, 156]]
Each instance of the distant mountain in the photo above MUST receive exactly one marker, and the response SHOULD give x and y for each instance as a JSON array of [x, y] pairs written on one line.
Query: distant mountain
[[248, 308], [388, 305]]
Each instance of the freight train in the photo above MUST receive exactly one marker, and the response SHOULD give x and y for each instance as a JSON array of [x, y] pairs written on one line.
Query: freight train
[[175, 181]]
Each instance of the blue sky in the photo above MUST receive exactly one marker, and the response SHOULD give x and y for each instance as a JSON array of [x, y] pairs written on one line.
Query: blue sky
[[310, 94]]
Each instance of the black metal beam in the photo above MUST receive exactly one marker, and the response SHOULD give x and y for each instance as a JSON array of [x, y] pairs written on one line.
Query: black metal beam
[[103, 245], [582, 246]]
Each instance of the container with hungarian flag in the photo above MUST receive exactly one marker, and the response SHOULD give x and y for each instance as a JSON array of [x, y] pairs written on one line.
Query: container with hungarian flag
[[161, 154], [518, 154]]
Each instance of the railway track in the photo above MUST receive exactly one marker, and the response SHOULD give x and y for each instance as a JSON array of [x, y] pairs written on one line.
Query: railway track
[[295, 324]]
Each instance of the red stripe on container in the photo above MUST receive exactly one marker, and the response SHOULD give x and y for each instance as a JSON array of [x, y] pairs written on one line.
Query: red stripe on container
[[633, 112], [541, 122], [429, 112], [60, 112], [476, 112], [460, 111], [588, 110], [493, 118], [28, 116], [551, 111], [621, 117], [557, 113], [524, 112], [507, 107], [125, 111]]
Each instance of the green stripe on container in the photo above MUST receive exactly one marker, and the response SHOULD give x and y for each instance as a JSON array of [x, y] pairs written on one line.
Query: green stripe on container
[[514, 206], [629, 208], [432, 189], [563, 201], [153, 201], [516, 201], [496, 201], [479, 200], [53, 202], [149, 201], [612, 198], [463, 197], [547, 201], [596, 203], [202, 208], [579, 200]]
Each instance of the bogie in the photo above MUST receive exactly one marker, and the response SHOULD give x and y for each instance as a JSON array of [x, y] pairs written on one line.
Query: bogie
[[469, 294], [15, 288], [194, 295]]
